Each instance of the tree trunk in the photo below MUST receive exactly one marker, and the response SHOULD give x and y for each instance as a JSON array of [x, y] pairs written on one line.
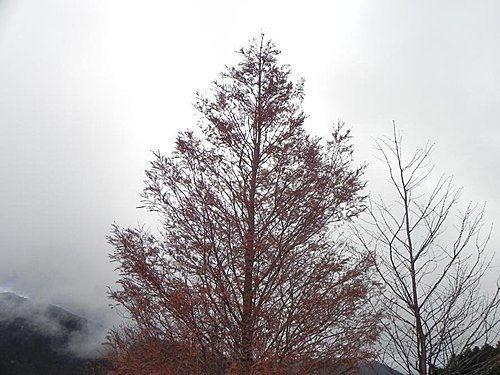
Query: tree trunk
[[250, 245]]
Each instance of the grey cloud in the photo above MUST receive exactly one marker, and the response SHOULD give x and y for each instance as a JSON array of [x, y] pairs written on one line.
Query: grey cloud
[[74, 141]]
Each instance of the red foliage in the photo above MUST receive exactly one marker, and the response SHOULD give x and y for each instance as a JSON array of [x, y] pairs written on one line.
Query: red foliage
[[247, 268]]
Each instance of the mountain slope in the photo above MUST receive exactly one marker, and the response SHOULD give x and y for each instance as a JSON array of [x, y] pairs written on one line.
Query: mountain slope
[[376, 368], [42, 339]]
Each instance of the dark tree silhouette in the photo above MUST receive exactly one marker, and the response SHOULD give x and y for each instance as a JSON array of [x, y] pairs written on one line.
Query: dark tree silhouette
[[247, 273], [432, 258], [473, 361]]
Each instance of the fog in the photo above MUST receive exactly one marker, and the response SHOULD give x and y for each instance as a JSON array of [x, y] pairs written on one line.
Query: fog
[[87, 89], [84, 340]]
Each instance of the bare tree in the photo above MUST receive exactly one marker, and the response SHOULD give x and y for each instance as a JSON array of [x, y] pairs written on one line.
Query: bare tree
[[431, 258], [247, 267]]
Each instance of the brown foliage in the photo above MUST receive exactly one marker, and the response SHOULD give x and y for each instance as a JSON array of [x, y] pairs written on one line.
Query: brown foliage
[[246, 267], [140, 352]]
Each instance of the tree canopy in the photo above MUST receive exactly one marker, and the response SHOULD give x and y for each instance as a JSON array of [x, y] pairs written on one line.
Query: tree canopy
[[249, 272]]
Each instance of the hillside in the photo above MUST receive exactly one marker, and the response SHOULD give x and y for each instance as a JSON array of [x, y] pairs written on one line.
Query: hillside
[[43, 339], [40, 339]]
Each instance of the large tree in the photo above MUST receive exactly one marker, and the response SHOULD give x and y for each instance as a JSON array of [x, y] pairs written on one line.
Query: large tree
[[431, 254], [248, 270]]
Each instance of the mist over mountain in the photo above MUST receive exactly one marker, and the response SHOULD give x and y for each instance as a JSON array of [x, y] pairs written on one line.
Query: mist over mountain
[[40, 339], [46, 339]]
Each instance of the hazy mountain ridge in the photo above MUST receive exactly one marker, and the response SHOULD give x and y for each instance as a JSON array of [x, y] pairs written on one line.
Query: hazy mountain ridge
[[38, 339], [377, 368], [44, 339]]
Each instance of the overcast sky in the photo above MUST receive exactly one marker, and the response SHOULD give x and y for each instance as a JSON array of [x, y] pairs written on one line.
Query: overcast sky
[[88, 88]]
